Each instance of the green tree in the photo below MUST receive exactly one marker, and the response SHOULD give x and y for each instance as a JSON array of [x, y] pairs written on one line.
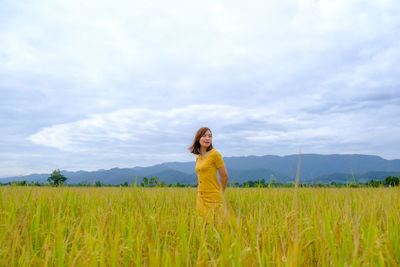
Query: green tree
[[261, 183], [353, 185], [391, 181], [56, 178], [23, 183], [98, 184], [145, 181], [154, 181], [84, 183], [373, 183]]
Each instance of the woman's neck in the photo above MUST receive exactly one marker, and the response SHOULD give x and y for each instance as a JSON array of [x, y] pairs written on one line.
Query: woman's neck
[[203, 150]]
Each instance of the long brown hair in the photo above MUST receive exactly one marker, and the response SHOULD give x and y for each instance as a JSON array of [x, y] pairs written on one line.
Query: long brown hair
[[195, 147]]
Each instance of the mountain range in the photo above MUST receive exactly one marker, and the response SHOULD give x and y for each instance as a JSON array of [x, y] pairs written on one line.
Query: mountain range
[[317, 168]]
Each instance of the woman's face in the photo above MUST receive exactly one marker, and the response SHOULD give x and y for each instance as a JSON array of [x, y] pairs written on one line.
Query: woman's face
[[206, 139]]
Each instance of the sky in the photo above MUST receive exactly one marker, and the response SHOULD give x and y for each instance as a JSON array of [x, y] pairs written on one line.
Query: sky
[[87, 85]]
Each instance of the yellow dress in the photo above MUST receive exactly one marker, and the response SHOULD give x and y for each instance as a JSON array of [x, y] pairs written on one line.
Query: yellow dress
[[209, 192]]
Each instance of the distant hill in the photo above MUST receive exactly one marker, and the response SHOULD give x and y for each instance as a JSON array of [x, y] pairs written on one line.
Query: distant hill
[[348, 177], [315, 164], [314, 168]]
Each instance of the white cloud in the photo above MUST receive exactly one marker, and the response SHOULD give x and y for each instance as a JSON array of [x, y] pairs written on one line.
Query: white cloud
[[140, 126], [148, 131], [95, 79]]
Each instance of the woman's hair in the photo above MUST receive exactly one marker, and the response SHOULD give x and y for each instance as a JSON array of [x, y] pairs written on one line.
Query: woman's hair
[[195, 147]]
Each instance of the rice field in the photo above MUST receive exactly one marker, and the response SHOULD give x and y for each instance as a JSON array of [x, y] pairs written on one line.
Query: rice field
[[44, 226]]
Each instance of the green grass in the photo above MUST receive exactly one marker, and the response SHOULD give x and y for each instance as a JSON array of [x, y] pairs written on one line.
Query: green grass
[[43, 226]]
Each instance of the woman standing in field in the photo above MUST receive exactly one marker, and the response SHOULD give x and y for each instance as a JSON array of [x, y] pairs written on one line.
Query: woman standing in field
[[208, 161]]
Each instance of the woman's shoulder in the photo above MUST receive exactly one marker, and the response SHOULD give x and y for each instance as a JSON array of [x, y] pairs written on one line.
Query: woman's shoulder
[[214, 151]]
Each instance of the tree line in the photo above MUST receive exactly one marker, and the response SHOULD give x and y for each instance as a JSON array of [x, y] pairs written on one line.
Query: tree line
[[57, 179]]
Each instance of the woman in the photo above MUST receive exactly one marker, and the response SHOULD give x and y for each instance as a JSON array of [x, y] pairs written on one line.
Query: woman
[[208, 161]]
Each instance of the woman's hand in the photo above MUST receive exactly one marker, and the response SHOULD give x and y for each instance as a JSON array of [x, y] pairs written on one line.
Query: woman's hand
[[224, 177]]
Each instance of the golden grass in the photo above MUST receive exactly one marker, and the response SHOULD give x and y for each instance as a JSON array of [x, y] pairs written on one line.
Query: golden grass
[[42, 226]]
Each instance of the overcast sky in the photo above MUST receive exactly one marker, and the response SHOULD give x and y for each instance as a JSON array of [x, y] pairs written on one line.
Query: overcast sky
[[86, 85]]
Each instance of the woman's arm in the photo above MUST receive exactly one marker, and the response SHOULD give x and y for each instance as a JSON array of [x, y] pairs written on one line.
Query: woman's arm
[[224, 177]]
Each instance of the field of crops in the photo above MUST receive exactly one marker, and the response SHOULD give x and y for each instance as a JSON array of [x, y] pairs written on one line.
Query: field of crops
[[44, 226]]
